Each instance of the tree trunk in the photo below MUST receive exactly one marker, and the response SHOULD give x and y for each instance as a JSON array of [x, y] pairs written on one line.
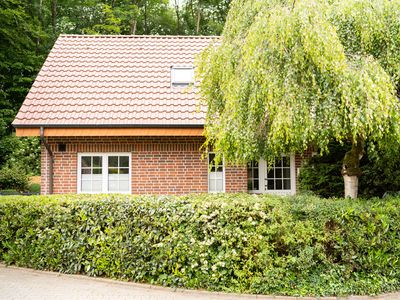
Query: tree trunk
[[350, 186], [198, 20], [53, 15], [133, 26], [351, 168], [145, 18], [178, 18]]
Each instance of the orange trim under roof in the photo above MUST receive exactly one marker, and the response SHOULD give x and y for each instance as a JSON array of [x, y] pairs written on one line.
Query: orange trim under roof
[[110, 131]]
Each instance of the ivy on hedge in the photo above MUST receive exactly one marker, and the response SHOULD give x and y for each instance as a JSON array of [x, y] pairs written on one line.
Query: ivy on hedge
[[243, 243]]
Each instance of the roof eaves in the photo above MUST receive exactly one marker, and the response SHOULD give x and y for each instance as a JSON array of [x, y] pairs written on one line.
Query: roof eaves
[[109, 125]]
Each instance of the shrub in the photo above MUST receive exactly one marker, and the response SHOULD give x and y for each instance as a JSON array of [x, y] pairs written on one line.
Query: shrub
[[13, 178], [242, 243], [321, 174], [21, 151], [34, 188]]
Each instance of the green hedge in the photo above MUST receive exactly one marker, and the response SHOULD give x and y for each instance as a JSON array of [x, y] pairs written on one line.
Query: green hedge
[[242, 243]]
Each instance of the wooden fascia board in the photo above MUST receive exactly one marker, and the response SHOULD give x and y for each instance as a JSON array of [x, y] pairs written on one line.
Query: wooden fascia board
[[35, 131]]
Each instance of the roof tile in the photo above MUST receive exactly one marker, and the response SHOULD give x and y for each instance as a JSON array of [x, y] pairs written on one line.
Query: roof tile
[[114, 80]]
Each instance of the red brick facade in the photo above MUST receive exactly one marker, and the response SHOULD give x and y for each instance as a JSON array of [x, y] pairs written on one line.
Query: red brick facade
[[160, 165]]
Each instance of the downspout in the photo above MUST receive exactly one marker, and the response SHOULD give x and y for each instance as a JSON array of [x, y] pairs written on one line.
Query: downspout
[[47, 146]]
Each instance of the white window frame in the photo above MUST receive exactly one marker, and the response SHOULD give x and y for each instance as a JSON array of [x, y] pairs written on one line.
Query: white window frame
[[184, 83], [263, 168], [260, 179], [104, 174], [208, 175]]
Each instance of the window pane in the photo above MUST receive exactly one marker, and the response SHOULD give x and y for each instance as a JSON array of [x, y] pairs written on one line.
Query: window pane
[[124, 186], [220, 186], [250, 185], [278, 184], [124, 171], [113, 185], [86, 177], [97, 161], [270, 173], [113, 161], [112, 170], [256, 186], [286, 173], [286, 184], [124, 161], [255, 173], [86, 186], [286, 161], [278, 173], [211, 157], [212, 175], [86, 171], [123, 177], [249, 173], [220, 168], [113, 177], [97, 171], [270, 184], [86, 161], [96, 186], [211, 185], [182, 75]]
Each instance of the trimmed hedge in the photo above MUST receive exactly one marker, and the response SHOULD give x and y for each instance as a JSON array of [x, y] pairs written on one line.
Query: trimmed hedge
[[243, 243]]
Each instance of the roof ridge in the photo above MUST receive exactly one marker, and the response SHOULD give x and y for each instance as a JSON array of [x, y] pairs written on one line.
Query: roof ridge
[[142, 36]]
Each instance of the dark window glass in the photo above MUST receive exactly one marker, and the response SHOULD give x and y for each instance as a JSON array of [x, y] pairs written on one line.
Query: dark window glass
[[256, 185], [286, 173], [278, 184], [86, 161], [124, 161], [249, 172], [286, 161], [255, 173], [97, 171], [86, 171], [113, 161], [124, 171], [97, 161], [286, 184], [278, 173], [112, 170], [270, 184]]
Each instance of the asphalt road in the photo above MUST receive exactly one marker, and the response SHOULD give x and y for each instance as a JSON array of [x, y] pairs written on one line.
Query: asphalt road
[[26, 284]]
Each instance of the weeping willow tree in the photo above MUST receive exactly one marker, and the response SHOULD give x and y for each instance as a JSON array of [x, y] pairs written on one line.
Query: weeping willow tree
[[290, 74]]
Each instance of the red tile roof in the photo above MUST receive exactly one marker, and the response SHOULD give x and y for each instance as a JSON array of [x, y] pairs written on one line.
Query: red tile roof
[[114, 80]]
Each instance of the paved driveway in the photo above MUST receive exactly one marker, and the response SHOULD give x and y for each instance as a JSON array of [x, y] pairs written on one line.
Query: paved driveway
[[26, 284]]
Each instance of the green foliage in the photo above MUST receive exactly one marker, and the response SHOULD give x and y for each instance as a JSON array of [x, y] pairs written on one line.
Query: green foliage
[[205, 17], [20, 57], [290, 74], [381, 175], [321, 174], [34, 188], [13, 178], [21, 152], [241, 243]]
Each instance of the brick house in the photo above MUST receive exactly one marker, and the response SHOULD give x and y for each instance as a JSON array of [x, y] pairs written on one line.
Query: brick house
[[120, 114]]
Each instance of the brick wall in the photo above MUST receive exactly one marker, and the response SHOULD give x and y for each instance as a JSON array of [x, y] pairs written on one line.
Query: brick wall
[[160, 165]]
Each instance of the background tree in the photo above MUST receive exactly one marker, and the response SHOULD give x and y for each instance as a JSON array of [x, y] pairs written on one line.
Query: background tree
[[290, 74], [29, 28]]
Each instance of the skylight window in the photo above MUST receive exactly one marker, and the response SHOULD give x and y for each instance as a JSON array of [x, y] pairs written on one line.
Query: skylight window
[[182, 76]]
